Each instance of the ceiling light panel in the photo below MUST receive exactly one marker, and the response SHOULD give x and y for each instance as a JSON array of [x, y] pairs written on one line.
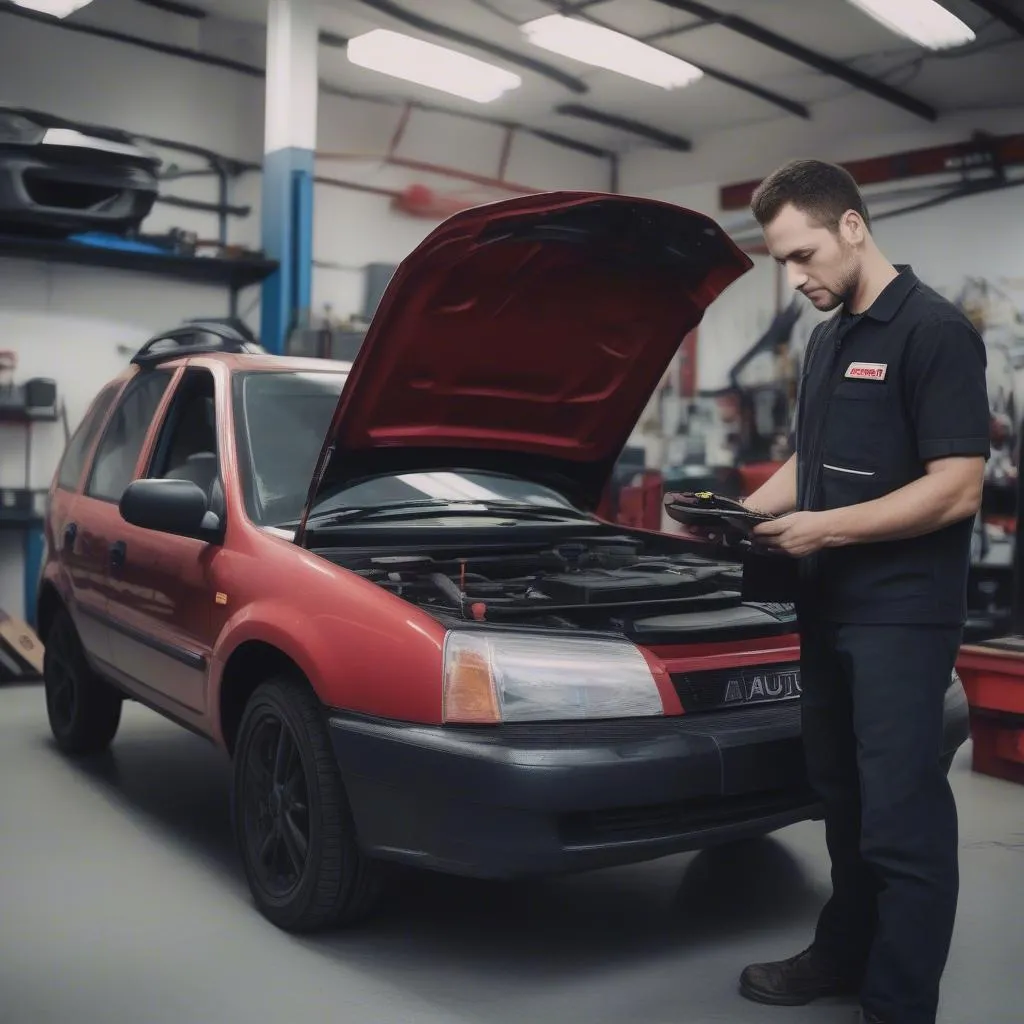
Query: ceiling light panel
[[925, 22], [436, 67], [57, 8], [610, 50]]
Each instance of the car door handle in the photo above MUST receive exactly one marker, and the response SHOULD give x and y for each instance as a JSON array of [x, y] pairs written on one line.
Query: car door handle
[[70, 533], [118, 551]]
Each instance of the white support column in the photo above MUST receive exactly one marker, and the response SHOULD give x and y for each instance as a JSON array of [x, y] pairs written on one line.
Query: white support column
[[290, 124]]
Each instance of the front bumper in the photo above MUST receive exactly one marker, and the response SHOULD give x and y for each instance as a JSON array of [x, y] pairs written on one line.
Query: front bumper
[[521, 800]]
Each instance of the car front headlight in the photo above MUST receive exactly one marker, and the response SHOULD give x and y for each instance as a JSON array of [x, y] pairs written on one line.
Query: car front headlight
[[493, 677], [19, 130]]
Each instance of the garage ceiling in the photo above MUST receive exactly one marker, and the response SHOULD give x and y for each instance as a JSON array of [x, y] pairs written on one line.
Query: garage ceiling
[[762, 61]]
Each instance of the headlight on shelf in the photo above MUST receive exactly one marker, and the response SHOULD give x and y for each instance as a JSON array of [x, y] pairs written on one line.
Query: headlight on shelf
[[492, 677]]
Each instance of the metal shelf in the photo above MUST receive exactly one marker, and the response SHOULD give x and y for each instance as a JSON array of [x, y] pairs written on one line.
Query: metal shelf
[[233, 273], [23, 417], [19, 519]]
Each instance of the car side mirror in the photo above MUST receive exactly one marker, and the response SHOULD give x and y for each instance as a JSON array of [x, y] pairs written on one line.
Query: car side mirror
[[179, 507]]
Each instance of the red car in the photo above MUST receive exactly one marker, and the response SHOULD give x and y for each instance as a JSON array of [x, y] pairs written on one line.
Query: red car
[[383, 590]]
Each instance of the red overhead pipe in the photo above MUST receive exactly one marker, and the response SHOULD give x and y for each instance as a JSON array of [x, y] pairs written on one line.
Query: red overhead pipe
[[978, 154], [429, 168]]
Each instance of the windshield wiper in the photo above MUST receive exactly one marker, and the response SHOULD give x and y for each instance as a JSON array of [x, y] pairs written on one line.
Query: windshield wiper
[[433, 507]]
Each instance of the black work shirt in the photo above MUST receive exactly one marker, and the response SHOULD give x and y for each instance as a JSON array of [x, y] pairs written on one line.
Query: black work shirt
[[881, 395]]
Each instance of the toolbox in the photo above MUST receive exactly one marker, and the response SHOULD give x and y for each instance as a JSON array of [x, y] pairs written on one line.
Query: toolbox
[[993, 676]]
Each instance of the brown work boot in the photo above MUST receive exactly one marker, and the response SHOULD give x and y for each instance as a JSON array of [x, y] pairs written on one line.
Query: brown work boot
[[801, 979]]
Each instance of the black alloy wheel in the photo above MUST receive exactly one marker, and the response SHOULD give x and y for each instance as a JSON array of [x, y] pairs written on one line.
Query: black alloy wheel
[[276, 807], [293, 825], [84, 711]]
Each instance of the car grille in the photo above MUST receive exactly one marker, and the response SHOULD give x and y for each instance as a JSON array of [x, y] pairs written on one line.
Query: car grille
[[67, 194], [664, 821], [737, 687]]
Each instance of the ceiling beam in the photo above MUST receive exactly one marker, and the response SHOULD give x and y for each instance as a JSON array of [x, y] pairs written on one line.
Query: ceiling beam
[[183, 10], [1002, 13], [556, 138], [826, 65], [625, 124], [676, 30], [783, 102], [454, 35]]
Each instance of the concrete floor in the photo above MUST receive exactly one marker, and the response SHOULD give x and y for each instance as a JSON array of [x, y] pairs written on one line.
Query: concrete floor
[[121, 902]]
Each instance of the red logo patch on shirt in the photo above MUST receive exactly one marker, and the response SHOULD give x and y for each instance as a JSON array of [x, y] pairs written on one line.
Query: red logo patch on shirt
[[867, 371]]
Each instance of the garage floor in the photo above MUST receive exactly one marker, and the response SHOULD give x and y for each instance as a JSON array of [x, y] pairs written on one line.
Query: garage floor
[[121, 902]]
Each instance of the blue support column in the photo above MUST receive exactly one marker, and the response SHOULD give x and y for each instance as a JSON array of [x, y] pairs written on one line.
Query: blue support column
[[33, 556], [289, 155], [287, 238]]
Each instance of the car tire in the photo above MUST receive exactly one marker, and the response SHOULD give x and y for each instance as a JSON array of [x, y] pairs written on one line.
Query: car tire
[[293, 824], [84, 710]]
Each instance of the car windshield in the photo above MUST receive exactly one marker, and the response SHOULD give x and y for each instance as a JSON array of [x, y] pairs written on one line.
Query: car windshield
[[282, 419]]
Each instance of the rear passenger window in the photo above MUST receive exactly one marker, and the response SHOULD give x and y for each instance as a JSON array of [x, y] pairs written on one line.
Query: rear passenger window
[[72, 462], [113, 469]]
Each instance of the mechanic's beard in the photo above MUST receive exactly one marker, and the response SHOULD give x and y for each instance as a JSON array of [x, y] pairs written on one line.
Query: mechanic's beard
[[844, 292]]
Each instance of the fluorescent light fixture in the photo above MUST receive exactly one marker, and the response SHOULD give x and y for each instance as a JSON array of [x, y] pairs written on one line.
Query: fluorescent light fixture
[[613, 51], [58, 8], [402, 56], [926, 22]]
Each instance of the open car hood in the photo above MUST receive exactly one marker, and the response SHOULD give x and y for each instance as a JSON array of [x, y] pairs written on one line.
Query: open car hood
[[526, 336]]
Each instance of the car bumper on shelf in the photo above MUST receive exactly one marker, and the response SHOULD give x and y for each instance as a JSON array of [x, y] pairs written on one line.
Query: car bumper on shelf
[[545, 798], [70, 196]]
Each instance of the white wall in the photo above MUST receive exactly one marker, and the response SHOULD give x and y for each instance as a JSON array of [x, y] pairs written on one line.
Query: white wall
[[68, 322], [944, 243], [850, 127], [352, 229]]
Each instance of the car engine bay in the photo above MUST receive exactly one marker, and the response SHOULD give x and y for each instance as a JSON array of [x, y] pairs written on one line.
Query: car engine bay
[[650, 590]]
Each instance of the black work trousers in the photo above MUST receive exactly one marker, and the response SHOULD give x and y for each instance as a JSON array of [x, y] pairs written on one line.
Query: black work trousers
[[873, 726]]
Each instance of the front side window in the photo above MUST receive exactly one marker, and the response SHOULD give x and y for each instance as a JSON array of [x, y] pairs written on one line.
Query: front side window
[[186, 448], [281, 421], [113, 469], [72, 462]]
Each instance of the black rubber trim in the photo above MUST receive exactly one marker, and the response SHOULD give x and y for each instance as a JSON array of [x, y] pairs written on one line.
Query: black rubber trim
[[179, 654], [153, 699]]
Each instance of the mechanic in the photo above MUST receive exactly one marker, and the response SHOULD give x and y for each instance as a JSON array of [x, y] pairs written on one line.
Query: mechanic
[[891, 440]]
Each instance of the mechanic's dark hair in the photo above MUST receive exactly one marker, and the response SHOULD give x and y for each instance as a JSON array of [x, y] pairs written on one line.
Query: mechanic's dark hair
[[821, 190]]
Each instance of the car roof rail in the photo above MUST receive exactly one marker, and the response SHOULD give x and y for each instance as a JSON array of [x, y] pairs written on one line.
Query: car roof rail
[[199, 337]]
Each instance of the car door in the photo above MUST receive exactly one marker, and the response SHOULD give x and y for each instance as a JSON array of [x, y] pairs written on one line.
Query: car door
[[70, 532], [95, 513], [162, 598]]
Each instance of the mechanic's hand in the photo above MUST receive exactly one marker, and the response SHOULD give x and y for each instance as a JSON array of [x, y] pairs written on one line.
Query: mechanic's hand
[[797, 534]]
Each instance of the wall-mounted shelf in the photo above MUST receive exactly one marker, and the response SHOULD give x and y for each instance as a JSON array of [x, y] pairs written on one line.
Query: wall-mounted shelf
[[232, 273], [24, 417], [19, 519]]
